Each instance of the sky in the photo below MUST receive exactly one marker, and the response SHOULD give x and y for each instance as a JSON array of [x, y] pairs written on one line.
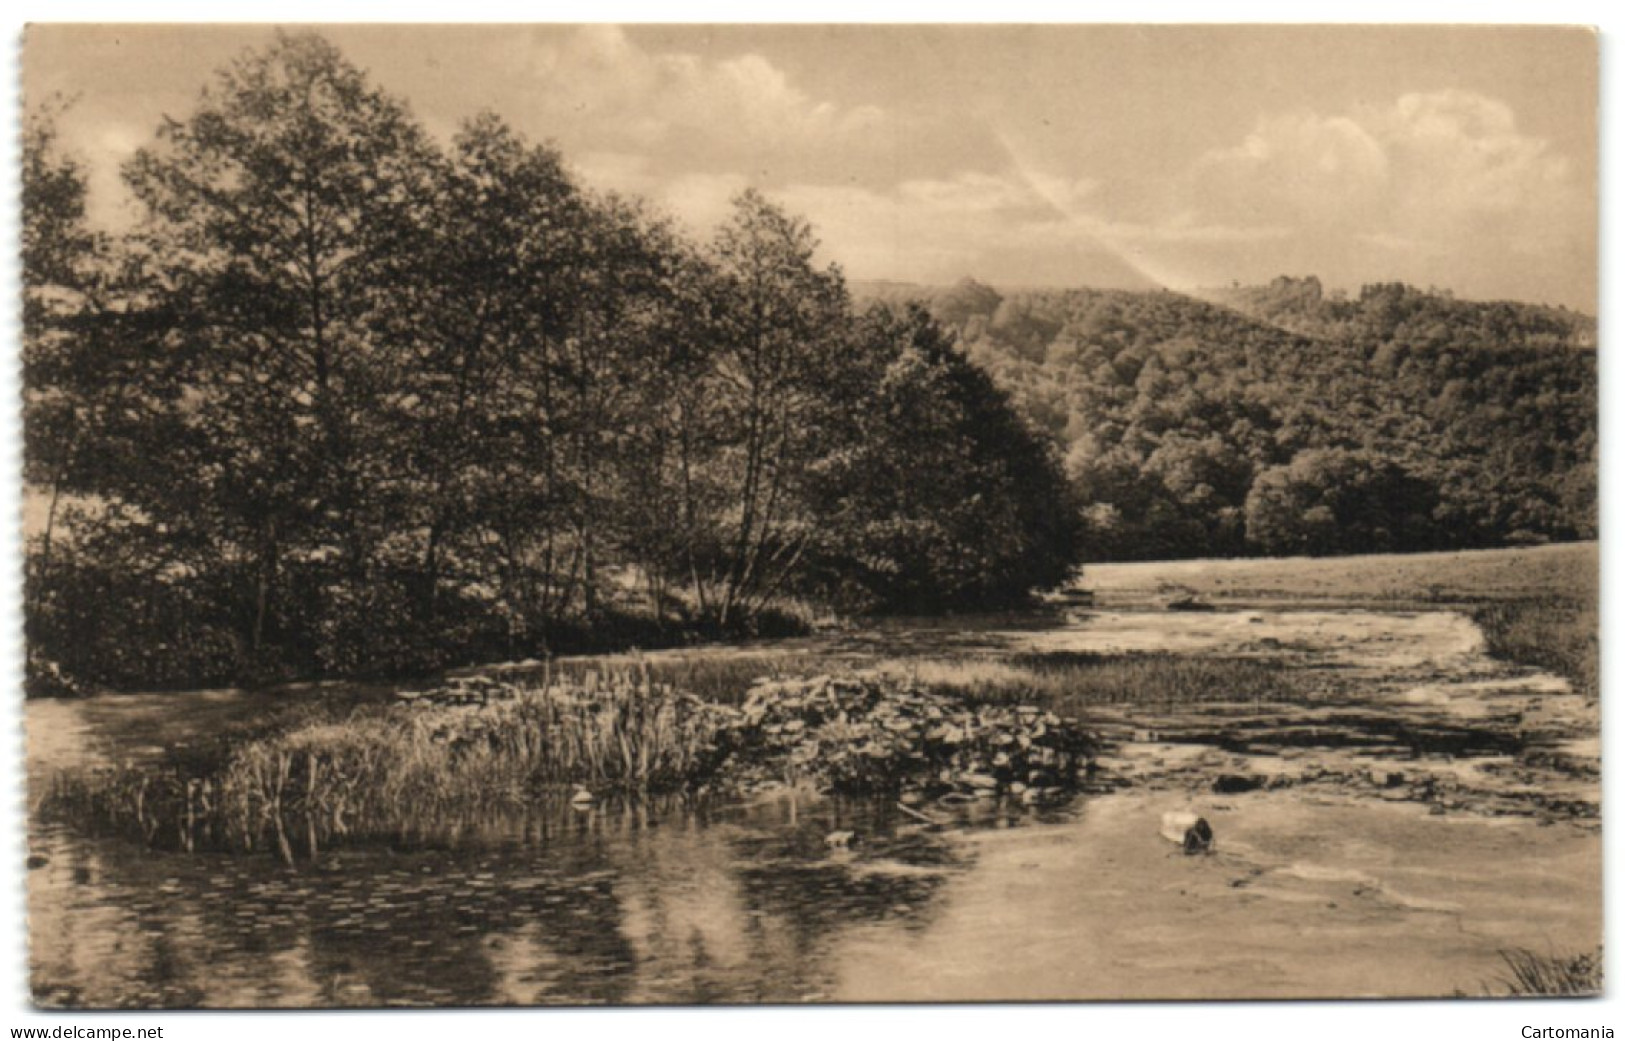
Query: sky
[[1121, 156]]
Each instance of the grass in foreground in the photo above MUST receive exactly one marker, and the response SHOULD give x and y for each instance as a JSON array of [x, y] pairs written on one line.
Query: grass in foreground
[[1538, 975], [722, 676]]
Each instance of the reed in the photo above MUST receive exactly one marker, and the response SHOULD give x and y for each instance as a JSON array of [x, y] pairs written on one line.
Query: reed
[[1535, 974], [383, 770], [1072, 682], [721, 676]]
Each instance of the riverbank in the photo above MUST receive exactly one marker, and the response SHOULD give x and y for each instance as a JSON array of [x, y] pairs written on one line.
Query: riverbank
[[1537, 606]]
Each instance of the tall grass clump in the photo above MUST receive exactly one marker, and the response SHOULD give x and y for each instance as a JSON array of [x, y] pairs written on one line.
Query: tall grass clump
[[382, 770], [1534, 974]]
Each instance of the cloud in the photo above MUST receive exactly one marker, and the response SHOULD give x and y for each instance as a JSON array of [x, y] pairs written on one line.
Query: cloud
[[1018, 226], [1436, 171], [597, 91], [102, 146], [1299, 167]]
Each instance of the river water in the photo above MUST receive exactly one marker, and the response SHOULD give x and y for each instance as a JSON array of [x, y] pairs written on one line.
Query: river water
[[1316, 891]]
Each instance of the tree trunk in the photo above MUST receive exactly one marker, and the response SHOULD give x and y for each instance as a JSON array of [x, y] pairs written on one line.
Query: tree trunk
[[262, 587]]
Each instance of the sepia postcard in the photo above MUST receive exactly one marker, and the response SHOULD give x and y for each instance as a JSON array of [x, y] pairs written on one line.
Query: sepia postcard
[[557, 515]]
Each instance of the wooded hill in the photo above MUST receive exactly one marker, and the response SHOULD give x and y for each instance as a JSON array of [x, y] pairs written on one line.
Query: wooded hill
[[1282, 419]]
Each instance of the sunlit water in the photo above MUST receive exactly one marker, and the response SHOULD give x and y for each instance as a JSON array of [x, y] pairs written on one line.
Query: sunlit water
[[1308, 895]]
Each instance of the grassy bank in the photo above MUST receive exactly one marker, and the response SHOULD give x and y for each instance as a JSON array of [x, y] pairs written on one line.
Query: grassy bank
[[1558, 632], [1389, 580], [1537, 606]]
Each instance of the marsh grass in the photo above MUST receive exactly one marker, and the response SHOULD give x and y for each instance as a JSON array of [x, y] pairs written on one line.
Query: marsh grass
[[723, 677], [382, 770], [1557, 632], [1533, 974], [1072, 682]]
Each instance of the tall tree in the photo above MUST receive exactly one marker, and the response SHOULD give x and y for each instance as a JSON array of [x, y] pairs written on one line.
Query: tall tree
[[61, 261], [283, 216], [942, 497], [481, 491], [776, 344]]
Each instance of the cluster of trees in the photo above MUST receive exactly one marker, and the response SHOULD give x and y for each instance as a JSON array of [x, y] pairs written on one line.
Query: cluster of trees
[[1280, 419], [351, 401]]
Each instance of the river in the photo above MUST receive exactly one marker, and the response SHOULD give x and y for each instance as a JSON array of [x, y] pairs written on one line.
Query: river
[[1324, 887]]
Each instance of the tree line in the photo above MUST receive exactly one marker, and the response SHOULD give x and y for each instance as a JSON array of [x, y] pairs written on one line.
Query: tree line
[[1283, 419], [350, 401]]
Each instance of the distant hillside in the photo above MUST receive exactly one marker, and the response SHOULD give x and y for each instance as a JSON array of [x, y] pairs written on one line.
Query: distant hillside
[[1283, 419], [1396, 311]]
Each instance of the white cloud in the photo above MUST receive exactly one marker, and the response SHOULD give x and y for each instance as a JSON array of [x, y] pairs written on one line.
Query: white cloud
[[629, 173], [1436, 168], [1300, 167], [597, 90]]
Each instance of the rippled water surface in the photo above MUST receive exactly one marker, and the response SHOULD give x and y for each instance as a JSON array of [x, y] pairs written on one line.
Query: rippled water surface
[[675, 904]]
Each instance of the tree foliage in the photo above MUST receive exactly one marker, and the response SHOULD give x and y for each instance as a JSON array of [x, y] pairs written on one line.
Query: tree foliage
[[380, 405], [1253, 424]]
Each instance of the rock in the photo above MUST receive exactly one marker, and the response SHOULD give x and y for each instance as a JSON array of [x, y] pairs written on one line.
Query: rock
[[1386, 778], [1188, 603], [1188, 831], [1233, 784], [582, 798]]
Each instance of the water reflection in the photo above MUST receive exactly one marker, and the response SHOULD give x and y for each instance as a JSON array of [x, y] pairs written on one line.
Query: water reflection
[[625, 904]]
